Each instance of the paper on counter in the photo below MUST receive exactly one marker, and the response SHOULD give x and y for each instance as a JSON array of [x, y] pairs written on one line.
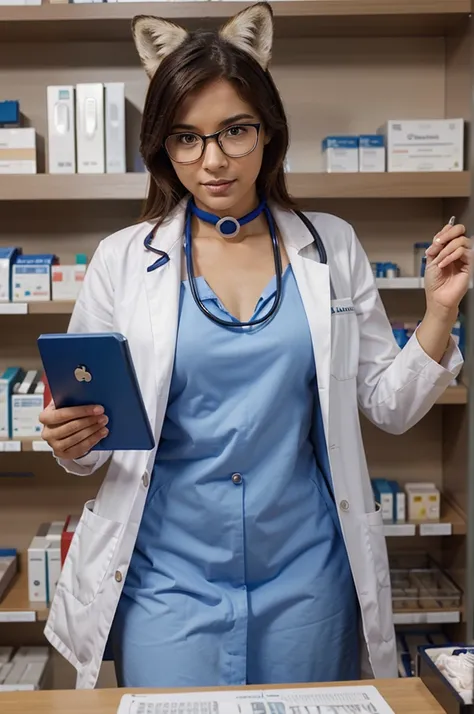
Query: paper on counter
[[307, 700]]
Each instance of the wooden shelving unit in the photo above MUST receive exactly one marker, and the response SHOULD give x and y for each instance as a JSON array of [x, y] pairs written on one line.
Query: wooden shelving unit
[[298, 18], [342, 67], [124, 187]]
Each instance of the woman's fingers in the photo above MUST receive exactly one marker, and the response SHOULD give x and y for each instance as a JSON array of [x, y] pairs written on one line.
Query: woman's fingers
[[453, 246], [72, 427], [80, 443], [448, 234], [54, 417], [462, 254]]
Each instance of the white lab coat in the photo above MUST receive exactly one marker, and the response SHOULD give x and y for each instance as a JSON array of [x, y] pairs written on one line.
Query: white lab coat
[[359, 366]]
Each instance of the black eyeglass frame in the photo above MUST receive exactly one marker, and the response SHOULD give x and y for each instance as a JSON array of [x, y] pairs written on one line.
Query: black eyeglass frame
[[216, 135]]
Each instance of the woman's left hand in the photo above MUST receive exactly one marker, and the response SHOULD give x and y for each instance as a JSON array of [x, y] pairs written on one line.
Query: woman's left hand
[[448, 269]]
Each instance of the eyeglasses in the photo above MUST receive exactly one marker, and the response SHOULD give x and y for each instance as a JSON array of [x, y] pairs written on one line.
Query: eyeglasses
[[235, 141]]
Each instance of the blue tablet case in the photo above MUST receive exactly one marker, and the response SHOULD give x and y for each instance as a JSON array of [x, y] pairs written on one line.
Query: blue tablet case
[[89, 369]]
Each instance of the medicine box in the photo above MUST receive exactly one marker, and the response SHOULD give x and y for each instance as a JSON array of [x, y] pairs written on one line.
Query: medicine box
[[17, 151], [67, 279], [61, 130], [27, 403], [115, 128], [8, 380], [9, 113], [384, 498], [32, 277], [7, 258], [341, 154], [371, 153], [37, 570], [90, 128], [8, 568], [425, 145], [423, 502], [399, 503]]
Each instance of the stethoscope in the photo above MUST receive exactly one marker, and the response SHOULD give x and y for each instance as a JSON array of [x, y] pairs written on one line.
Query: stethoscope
[[229, 227]]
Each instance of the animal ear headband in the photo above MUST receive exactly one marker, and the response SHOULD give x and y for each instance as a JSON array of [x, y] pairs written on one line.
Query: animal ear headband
[[250, 30]]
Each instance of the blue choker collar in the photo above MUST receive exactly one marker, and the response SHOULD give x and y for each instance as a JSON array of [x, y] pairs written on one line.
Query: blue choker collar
[[227, 227]]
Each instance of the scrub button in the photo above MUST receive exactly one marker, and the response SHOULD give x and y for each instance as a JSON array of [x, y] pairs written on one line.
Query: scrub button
[[237, 479], [145, 479], [118, 576], [344, 505]]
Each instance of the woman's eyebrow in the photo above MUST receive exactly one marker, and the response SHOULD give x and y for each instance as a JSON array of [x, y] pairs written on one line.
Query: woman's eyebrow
[[223, 123]]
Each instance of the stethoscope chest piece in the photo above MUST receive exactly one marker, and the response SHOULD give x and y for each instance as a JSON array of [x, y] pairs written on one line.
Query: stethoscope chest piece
[[228, 227]]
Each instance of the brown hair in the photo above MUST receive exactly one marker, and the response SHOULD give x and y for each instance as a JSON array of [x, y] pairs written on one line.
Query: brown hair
[[205, 57]]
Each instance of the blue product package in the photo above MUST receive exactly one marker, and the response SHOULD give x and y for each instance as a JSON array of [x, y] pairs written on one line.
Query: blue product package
[[371, 140], [384, 497], [380, 270], [7, 381], [8, 257], [399, 502], [10, 113], [401, 336], [340, 142], [32, 277]]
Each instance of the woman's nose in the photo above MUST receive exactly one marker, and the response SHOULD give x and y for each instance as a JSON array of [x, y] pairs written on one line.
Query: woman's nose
[[213, 156]]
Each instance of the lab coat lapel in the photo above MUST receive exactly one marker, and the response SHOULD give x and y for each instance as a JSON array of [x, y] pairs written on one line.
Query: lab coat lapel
[[163, 289], [313, 282]]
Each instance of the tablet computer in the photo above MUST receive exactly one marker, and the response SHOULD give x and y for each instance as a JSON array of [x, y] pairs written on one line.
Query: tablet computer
[[88, 369]]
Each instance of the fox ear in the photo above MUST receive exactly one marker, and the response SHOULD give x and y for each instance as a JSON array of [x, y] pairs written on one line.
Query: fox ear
[[251, 30], [155, 39]]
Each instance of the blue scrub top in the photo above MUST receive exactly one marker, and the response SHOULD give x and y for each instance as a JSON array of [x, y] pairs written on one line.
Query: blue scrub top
[[239, 574]]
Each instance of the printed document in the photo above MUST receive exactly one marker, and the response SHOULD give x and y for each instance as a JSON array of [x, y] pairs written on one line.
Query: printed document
[[307, 700]]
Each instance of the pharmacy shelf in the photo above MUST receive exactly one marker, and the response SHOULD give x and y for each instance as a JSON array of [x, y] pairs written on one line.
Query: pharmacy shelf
[[400, 283], [14, 446], [15, 605], [51, 307], [426, 617], [303, 18], [454, 395], [103, 187], [451, 522]]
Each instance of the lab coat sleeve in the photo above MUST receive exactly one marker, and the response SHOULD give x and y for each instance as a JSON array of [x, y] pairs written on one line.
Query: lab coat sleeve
[[396, 388], [93, 312]]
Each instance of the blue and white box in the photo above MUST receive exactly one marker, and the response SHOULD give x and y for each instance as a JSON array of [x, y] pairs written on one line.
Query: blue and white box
[[32, 277], [371, 153], [399, 502], [341, 154], [7, 257], [384, 497], [8, 380]]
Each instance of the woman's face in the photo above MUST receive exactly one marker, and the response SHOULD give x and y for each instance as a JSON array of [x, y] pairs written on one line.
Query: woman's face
[[219, 183]]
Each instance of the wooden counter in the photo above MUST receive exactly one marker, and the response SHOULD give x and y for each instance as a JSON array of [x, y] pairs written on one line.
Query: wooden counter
[[403, 695]]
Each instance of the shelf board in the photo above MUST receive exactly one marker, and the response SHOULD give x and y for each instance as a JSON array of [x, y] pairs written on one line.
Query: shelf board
[[425, 617], [103, 187], [400, 283], [297, 18], [50, 307], [15, 606], [451, 522], [454, 395]]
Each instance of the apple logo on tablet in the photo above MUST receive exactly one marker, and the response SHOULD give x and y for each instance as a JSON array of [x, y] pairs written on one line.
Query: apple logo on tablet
[[82, 375]]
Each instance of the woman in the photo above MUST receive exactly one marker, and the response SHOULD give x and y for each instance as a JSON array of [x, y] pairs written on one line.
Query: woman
[[254, 551]]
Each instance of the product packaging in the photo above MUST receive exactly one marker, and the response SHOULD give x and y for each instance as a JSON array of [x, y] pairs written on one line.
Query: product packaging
[[17, 151], [425, 145], [341, 154]]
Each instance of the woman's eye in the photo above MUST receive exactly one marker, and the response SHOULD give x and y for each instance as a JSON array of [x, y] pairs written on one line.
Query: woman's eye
[[236, 130], [188, 139]]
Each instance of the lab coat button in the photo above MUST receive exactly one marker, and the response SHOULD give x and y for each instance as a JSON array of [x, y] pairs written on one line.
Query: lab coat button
[[344, 505], [145, 479], [118, 576], [237, 479]]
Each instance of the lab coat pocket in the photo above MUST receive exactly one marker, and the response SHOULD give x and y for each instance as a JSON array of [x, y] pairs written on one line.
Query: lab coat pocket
[[378, 551], [344, 339], [90, 555]]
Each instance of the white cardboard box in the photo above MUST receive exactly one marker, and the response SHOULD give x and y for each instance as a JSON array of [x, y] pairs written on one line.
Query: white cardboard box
[[67, 280], [115, 128], [61, 130], [17, 151], [425, 145], [90, 128], [37, 575]]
